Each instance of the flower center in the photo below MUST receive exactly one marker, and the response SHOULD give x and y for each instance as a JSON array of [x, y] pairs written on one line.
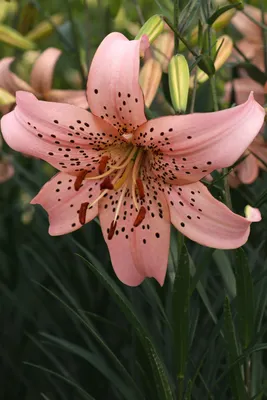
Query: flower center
[[121, 175]]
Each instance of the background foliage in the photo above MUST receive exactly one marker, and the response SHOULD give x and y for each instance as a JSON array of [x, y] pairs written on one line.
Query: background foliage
[[69, 328]]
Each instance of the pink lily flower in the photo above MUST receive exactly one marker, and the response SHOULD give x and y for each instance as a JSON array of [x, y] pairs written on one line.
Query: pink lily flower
[[40, 81], [139, 176], [6, 168], [252, 46]]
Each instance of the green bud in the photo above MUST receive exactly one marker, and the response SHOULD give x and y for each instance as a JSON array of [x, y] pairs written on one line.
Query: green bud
[[27, 18], [45, 28], [153, 27], [11, 36], [179, 82]]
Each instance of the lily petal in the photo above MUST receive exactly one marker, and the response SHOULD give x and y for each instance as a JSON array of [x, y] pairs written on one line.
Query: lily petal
[[75, 97], [207, 221], [142, 251], [6, 170], [10, 81], [150, 77], [69, 138], [62, 202], [248, 170], [43, 70], [113, 91], [188, 147]]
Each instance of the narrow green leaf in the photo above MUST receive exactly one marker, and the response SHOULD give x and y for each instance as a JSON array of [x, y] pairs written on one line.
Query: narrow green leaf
[[237, 384], [225, 268], [82, 392], [180, 315], [161, 376], [244, 298], [254, 72]]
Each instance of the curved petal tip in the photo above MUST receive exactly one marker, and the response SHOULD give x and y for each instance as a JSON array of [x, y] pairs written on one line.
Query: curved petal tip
[[252, 214]]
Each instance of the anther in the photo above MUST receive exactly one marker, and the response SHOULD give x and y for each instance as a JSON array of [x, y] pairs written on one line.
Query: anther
[[106, 184], [79, 179], [112, 230], [102, 164], [140, 216], [82, 213], [140, 188]]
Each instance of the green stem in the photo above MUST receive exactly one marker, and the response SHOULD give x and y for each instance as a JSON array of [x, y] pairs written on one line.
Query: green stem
[[176, 25], [194, 93], [184, 41], [76, 43], [227, 193], [260, 24]]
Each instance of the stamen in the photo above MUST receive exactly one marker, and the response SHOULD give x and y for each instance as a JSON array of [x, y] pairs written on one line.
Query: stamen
[[114, 167], [140, 188], [120, 202], [125, 175], [106, 184], [82, 213], [140, 216], [102, 164], [135, 171], [112, 230], [79, 179]]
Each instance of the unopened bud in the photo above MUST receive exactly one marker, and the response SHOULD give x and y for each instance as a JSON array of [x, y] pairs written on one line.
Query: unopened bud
[[12, 37], [6, 98], [238, 4], [45, 28], [252, 214], [223, 20], [149, 79], [179, 82], [224, 47], [27, 18], [153, 27], [163, 49]]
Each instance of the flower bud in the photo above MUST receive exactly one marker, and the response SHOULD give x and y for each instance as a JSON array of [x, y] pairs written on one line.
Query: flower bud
[[152, 28], [149, 79], [45, 28], [163, 49], [252, 214], [27, 18], [179, 82], [223, 20], [11, 36], [224, 47]]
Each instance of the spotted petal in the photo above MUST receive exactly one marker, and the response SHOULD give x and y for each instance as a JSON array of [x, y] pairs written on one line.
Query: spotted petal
[[113, 91], [68, 137], [62, 202], [207, 221], [43, 70], [188, 147], [142, 251]]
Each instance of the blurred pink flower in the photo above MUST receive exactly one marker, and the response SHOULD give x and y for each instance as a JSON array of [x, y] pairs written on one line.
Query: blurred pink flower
[[6, 167], [252, 47], [139, 176], [40, 81]]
